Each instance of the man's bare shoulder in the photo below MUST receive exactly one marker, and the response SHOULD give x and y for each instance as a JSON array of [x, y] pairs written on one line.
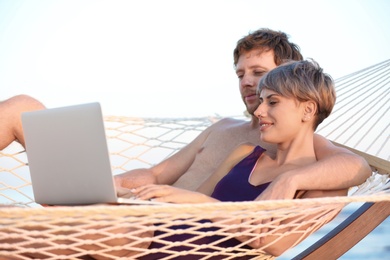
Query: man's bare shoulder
[[229, 122]]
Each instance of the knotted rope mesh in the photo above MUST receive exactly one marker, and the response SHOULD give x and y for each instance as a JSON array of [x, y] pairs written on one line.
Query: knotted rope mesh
[[28, 230]]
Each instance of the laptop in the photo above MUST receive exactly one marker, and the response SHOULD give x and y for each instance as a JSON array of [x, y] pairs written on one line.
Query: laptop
[[68, 157]]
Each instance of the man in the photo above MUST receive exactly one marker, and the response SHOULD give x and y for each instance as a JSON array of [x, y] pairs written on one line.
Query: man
[[10, 118], [254, 55]]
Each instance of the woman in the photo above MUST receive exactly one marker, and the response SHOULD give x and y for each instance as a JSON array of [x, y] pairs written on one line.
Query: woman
[[294, 99]]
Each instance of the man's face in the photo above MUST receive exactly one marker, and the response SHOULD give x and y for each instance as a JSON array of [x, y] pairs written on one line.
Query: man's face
[[251, 66]]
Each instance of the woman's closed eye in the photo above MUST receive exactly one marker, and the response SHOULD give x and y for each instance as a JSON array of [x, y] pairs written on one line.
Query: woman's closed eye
[[272, 102]]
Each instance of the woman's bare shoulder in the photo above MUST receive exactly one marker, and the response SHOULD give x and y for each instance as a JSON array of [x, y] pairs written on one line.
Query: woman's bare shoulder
[[244, 148]]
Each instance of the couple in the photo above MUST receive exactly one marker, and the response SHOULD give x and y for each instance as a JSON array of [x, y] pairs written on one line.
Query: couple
[[275, 155], [255, 54], [294, 99]]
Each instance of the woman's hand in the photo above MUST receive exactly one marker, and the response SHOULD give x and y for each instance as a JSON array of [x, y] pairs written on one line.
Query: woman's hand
[[166, 193]]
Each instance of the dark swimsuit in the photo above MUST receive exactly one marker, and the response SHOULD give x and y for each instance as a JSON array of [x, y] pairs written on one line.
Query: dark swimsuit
[[233, 187]]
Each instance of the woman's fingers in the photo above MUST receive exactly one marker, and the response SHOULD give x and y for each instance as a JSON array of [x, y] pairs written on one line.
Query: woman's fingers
[[150, 191], [124, 192]]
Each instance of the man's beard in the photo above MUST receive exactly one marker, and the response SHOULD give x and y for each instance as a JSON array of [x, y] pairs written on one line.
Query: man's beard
[[250, 110]]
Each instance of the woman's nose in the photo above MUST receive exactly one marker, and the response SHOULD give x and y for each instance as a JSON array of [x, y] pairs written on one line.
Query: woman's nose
[[258, 111]]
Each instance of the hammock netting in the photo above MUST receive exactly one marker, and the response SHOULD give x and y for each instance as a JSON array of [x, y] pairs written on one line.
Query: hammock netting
[[361, 116], [28, 230]]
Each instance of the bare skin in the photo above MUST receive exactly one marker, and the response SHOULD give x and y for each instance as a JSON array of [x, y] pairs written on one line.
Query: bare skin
[[10, 118], [336, 168], [192, 166], [285, 123], [223, 137], [207, 160]]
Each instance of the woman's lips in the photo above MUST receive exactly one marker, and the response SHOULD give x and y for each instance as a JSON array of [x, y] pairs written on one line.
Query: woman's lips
[[265, 125]]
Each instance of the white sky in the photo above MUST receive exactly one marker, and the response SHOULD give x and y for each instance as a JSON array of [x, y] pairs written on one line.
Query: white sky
[[170, 58]]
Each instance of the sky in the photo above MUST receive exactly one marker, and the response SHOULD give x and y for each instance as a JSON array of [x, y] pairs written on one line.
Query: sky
[[171, 58]]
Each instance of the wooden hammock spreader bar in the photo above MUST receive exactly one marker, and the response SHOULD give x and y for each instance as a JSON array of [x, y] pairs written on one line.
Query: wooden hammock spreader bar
[[131, 141], [346, 235], [357, 226]]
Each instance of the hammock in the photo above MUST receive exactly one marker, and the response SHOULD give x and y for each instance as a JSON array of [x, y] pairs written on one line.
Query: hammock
[[104, 231]]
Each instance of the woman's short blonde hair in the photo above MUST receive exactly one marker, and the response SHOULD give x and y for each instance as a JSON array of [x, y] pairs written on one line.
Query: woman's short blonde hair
[[304, 81]]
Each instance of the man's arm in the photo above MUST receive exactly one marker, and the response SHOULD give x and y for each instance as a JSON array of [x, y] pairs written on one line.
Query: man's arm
[[337, 168], [167, 171]]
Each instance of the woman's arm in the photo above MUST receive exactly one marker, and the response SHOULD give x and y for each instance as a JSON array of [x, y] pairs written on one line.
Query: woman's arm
[[170, 194], [167, 193]]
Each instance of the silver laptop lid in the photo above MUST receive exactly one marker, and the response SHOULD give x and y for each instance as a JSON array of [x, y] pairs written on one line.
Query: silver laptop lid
[[68, 155]]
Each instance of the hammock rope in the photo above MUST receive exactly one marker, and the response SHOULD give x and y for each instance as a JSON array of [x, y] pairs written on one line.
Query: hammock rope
[[106, 231], [27, 229], [360, 118]]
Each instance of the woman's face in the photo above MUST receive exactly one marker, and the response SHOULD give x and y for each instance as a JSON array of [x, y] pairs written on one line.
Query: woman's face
[[280, 117]]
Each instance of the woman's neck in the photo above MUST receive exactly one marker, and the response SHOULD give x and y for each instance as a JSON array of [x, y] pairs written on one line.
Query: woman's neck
[[299, 151]]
